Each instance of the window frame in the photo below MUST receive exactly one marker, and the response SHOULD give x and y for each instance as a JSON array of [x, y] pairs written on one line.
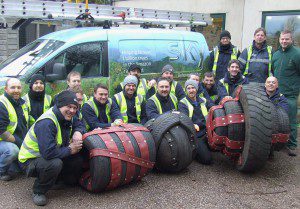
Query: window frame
[[277, 13]]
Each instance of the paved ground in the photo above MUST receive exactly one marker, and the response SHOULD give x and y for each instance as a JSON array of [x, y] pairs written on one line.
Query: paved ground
[[199, 186]]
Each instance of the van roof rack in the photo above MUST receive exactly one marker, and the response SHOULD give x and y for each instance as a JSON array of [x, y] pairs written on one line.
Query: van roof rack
[[35, 10]]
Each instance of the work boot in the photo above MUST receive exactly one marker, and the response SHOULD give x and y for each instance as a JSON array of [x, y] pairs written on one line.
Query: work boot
[[292, 151], [5, 177], [39, 199]]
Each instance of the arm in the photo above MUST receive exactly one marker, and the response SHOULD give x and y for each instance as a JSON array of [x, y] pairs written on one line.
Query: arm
[[91, 118], [221, 91], [118, 89], [283, 103], [78, 126], [45, 131], [183, 108], [143, 113], [150, 92], [211, 60], [151, 110], [243, 60], [115, 111], [4, 122]]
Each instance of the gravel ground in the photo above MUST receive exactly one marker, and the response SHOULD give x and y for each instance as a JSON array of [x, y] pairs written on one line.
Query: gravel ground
[[217, 186]]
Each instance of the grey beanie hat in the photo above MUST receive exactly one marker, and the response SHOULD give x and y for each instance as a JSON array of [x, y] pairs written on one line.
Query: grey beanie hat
[[167, 68], [130, 79], [191, 82]]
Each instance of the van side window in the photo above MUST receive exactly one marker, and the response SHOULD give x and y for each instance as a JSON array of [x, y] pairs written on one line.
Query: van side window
[[89, 59]]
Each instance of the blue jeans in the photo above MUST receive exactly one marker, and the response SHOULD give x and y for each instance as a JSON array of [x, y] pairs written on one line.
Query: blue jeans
[[8, 157]]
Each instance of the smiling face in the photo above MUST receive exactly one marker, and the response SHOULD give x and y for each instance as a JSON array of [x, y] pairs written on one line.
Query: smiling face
[[234, 69], [191, 91], [259, 37], [38, 86], [163, 88], [208, 82], [271, 84], [101, 95], [136, 72], [195, 78], [169, 75], [130, 89], [68, 111], [14, 88], [285, 40]]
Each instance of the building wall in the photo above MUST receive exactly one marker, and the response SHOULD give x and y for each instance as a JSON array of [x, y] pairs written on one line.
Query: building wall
[[242, 16]]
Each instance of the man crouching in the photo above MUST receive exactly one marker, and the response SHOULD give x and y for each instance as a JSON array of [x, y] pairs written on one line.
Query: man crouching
[[48, 153]]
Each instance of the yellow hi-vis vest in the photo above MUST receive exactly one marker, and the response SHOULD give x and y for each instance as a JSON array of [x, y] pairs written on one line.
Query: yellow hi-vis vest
[[30, 147], [250, 49], [191, 107], [158, 105], [142, 87], [12, 115], [47, 104], [216, 57], [95, 109], [121, 101]]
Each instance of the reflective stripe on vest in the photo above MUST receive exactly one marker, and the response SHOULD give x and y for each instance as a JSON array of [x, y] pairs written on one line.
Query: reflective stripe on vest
[[191, 107], [47, 104], [173, 87], [158, 105], [84, 99], [226, 85], [30, 147], [121, 100], [142, 87], [250, 49], [216, 57], [92, 104], [12, 115]]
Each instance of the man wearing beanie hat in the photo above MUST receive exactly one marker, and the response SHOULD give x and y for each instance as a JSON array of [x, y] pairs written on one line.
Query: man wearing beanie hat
[[176, 89], [162, 101], [13, 127], [256, 60], [130, 103], [142, 86], [50, 150], [196, 108], [37, 101], [101, 111], [221, 55]]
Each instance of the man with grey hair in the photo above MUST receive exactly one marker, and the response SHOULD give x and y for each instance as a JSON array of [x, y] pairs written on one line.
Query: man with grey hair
[[132, 105], [286, 64], [255, 60], [14, 119], [195, 107]]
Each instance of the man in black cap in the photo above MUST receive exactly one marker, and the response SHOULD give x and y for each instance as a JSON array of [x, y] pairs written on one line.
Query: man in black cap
[[50, 149], [142, 87], [36, 100], [222, 54]]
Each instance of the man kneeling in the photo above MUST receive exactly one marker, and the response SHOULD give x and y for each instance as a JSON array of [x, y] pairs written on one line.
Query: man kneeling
[[48, 153]]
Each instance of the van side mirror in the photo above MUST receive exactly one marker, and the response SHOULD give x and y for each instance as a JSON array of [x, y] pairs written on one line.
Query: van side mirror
[[59, 73]]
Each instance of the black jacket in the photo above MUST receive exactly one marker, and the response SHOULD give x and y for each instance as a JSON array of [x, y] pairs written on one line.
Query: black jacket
[[232, 84], [223, 60], [21, 128]]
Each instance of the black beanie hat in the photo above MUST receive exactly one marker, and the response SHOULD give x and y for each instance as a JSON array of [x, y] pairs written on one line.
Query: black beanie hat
[[225, 33], [134, 66], [35, 78], [65, 98]]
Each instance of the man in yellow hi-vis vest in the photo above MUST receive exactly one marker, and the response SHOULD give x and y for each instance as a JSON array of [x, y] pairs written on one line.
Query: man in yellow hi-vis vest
[[221, 55], [13, 127], [195, 107], [131, 104], [50, 150], [256, 60]]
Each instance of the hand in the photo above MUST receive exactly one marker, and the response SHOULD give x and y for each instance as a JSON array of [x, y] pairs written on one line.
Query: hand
[[117, 122], [75, 147], [196, 127], [77, 136], [228, 97], [152, 83]]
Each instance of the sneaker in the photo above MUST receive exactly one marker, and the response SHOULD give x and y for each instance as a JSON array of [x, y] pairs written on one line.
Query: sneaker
[[5, 177], [39, 199], [292, 151]]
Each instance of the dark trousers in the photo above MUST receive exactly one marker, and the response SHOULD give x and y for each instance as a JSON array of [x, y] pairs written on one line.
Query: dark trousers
[[47, 172], [203, 154]]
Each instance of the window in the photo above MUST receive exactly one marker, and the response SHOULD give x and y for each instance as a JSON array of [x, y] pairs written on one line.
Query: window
[[275, 22], [212, 32], [89, 59]]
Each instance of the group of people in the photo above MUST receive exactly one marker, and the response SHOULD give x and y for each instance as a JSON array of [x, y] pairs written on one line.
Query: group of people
[[43, 136]]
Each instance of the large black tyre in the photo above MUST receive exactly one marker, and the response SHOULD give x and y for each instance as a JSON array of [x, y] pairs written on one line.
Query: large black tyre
[[175, 152], [149, 124], [203, 154], [282, 126], [236, 131], [258, 123]]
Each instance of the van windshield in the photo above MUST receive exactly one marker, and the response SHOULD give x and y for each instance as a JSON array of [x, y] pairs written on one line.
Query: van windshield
[[18, 63]]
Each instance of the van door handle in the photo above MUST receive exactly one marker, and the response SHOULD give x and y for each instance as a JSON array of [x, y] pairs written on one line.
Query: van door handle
[[173, 58]]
